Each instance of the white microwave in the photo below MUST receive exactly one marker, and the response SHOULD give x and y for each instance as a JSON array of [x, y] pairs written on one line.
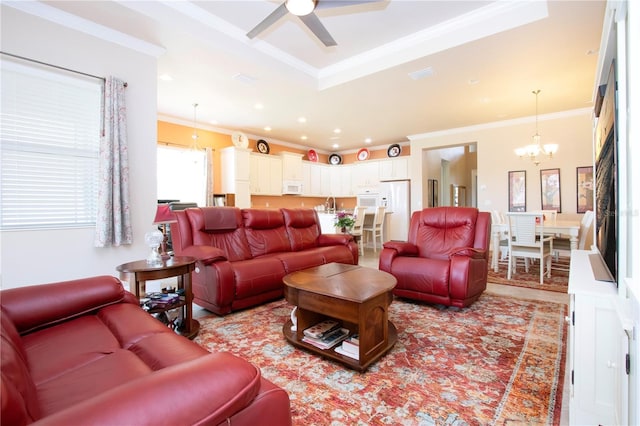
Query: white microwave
[[368, 200], [292, 187]]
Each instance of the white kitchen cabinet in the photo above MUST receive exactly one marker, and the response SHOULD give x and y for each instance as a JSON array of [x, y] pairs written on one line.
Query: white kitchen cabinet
[[291, 166], [341, 181], [311, 180], [265, 175], [366, 177], [325, 179], [394, 168], [598, 346], [235, 176]]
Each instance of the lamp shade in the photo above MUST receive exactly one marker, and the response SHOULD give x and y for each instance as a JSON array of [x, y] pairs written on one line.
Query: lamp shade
[[164, 215]]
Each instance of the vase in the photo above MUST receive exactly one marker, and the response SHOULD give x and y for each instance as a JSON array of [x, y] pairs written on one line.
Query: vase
[[344, 230]]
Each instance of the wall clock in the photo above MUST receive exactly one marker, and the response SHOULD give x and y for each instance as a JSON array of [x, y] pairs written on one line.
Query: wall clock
[[240, 140], [262, 146]]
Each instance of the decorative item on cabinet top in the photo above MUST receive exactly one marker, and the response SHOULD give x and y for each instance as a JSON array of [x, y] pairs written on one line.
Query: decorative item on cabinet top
[[262, 146], [335, 159], [363, 154], [240, 140], [394, 150], [312, 155]]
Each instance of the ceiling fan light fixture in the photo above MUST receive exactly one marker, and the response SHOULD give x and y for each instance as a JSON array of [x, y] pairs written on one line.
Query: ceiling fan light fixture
[[300, 7]]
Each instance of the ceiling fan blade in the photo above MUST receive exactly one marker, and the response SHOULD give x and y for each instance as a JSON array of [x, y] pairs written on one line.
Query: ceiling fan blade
[[268, 21], [316, 27], [330, 4]]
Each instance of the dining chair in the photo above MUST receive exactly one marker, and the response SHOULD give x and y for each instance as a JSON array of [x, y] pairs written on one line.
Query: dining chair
[[503, 241], [527, 240], [376, 228], [562, 245], [357, 229]]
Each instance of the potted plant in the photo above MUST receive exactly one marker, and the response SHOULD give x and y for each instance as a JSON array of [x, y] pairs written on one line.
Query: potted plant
[[344, 221]]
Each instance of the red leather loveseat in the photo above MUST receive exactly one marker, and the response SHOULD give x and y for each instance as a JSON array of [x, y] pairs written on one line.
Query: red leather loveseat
[[84, 352], [243, 254], [445, 259]]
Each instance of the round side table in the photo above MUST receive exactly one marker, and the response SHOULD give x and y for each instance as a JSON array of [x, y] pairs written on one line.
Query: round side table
[[177, 266]]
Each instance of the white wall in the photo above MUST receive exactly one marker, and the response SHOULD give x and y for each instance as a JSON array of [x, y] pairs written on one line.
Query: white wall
[[571, 130], [48, 256]]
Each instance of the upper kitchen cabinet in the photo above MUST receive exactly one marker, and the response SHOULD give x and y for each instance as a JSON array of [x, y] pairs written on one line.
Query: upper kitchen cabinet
[[235, 174], [365, 177], [312, 178], [341, 177], [394, 168], [266, 174], [291, 166]]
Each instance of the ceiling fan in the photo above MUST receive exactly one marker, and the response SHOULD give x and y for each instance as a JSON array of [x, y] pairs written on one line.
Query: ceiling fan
[[304, 9]]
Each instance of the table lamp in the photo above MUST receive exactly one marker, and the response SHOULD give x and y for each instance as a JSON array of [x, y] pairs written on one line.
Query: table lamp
[[164, 216]]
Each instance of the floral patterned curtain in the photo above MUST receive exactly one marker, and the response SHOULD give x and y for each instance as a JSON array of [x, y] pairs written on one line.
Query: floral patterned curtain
[[113, 224]]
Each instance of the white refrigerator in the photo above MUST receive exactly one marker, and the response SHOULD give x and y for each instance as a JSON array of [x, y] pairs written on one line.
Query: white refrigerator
[[396, 196]]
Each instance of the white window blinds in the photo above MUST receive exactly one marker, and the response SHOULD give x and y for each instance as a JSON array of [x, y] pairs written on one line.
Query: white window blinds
[[50, 133]]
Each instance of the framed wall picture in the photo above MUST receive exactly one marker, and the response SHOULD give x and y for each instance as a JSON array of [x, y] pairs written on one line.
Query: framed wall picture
[[518, 191], [550, 189], [584, 189]]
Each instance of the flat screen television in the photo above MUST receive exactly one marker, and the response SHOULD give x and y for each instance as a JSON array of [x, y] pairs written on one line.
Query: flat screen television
[[605, 262]]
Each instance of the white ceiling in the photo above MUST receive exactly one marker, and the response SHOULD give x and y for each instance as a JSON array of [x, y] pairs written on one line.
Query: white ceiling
[[485, 59]]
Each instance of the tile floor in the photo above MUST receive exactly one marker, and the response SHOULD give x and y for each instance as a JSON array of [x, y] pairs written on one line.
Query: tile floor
[[370, 259]]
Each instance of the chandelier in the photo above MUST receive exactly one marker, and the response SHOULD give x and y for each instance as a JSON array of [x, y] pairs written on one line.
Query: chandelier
[[194, 136], [536, 151]]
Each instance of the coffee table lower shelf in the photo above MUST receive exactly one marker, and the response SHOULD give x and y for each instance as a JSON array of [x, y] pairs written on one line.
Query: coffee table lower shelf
[[335, 356]]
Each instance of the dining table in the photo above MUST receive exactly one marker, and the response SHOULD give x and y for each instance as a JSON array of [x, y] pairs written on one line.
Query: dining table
[[550, 227]]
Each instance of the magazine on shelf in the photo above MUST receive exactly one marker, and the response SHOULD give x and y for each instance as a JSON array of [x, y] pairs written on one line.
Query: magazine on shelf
[[329, 340], [320, 329], [351, 346], [340, 349]]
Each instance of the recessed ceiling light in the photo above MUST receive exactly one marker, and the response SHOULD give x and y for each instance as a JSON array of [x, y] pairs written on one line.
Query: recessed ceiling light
[[303, 137], [258, 106], [165, 77], [336, 131], [335, 145], [302, 120], [267, 128], [367, 140]]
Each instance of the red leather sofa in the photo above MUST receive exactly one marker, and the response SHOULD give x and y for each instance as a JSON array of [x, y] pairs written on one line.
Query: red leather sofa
[[445, 259], [84, 352], [243, 254]]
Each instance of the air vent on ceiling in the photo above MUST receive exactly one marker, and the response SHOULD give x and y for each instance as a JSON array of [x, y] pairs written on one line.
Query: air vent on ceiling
[[420, 74], [243, 78]]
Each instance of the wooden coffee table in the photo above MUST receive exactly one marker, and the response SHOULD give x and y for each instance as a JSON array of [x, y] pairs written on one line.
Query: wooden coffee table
[[358, 296]]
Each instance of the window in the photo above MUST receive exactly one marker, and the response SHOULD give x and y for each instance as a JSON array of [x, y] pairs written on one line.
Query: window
[[182, 175], [50, 126]]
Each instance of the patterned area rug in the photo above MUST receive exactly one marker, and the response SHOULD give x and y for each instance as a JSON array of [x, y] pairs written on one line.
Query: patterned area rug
[[498, 362], [558, 282]]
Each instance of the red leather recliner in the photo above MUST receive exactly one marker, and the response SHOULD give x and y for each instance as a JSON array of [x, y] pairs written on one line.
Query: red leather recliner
[[445, 259]]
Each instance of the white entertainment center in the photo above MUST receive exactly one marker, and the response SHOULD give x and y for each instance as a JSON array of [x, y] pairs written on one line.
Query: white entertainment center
[[598, 347], [604, 316]]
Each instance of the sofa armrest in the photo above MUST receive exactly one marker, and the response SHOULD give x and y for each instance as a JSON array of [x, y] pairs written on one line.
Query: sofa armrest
[[468, 252], [206, 390], [402, 247], [334, 240], [37, 306], [205, 254]]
